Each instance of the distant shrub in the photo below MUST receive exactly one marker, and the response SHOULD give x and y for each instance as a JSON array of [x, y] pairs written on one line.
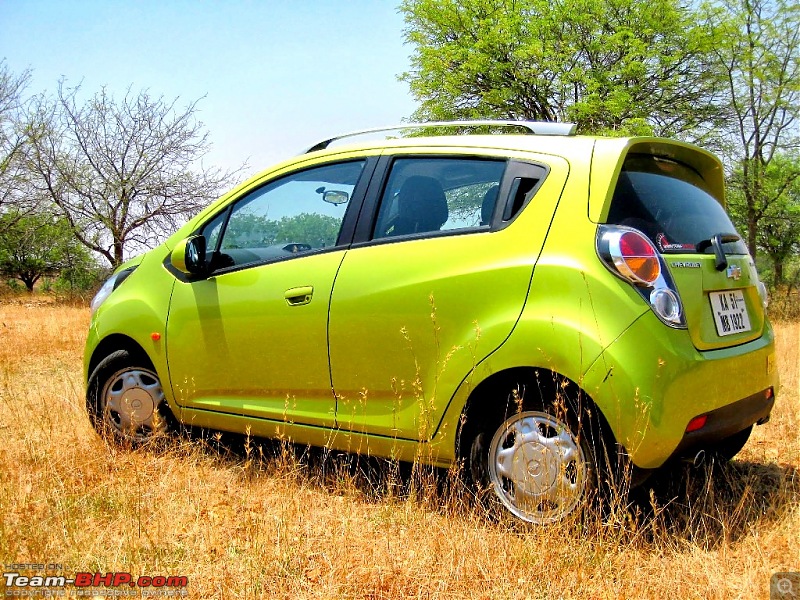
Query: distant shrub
[[784, 304], [79, 283]]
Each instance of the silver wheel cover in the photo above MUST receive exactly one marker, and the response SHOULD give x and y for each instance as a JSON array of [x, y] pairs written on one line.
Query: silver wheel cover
[[129, 403], [537, 467]]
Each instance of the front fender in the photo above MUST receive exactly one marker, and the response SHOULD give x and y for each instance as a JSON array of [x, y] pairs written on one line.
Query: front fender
[[136, 310]]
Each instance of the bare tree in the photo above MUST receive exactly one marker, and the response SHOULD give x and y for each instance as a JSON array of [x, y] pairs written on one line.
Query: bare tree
[[124, 173], [12, 136]]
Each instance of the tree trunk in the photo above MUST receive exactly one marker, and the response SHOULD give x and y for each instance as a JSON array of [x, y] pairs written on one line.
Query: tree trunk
[[118, 253], [29, 281], [752, 229], [778, 264]]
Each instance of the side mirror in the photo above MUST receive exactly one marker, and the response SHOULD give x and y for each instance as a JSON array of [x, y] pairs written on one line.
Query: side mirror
[[189, 256], [335, 197]]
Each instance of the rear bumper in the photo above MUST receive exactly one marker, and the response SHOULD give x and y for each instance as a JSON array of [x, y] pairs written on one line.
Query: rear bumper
[[727, 421], [651, 382]]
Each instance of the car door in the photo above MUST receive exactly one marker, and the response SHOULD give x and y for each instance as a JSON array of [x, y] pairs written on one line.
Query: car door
[[251, 338], [436, 283]]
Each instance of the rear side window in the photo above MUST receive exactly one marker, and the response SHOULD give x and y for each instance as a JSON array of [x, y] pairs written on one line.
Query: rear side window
[[430, 195], [668, 201]]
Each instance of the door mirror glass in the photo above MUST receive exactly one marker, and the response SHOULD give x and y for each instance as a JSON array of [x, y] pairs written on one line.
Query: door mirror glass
[[189, 256]]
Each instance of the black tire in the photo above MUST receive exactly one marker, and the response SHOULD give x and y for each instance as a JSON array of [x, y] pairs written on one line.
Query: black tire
[[538, 456], [731, 446], [125, 400]]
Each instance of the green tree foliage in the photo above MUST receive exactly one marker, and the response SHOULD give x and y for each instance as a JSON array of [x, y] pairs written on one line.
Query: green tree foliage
[[780, 238], [778, 233], [758, 50], [254, 231], [318, 231], [35, 245], [624, 66], [247, 230], [123, 172]]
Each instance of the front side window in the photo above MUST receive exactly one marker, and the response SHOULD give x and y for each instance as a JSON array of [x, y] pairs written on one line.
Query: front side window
[[295, 214], [427, 195]]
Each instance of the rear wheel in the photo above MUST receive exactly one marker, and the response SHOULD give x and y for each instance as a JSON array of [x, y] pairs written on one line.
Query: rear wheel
[[537, 459], [538, 467], [125, 399]]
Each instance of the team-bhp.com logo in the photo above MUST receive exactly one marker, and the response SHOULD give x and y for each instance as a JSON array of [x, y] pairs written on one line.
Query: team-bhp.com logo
[[54, 585]]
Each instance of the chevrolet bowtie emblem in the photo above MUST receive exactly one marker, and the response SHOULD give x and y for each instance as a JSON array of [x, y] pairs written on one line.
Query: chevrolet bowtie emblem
[[734, 272]]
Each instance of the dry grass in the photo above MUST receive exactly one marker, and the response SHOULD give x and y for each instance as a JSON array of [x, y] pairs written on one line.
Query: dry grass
[[243, 525]]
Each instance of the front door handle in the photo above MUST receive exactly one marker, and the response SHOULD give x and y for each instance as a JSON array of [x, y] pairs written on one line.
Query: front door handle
[[299, 295]]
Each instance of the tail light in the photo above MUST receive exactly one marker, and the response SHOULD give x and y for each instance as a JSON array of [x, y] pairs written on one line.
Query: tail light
[[764, 294], [635, 257], [630, 255]]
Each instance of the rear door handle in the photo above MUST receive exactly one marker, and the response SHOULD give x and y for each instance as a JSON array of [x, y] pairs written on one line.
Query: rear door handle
[[299, 295]]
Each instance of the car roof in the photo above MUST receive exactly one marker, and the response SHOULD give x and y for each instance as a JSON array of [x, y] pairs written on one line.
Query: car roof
[[602, 156]]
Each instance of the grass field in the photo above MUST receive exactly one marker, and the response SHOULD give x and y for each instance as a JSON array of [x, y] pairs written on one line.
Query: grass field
[[286, 524]]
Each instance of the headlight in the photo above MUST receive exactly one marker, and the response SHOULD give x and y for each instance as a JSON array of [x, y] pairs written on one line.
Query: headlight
[[109, 286]]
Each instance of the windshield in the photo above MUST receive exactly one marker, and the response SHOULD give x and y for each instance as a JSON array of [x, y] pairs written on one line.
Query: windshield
[[669, 202]]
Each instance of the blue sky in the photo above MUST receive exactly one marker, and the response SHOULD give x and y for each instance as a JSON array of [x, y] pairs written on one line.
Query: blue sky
[[277, 76]]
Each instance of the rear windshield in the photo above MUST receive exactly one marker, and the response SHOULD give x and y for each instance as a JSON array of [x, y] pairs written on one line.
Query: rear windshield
[[669, 202]]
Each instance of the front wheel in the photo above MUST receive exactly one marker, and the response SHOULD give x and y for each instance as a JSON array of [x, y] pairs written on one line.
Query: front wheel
[[125, 399]]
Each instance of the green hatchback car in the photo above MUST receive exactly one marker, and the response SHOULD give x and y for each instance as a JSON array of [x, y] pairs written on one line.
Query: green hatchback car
[[537, 307]]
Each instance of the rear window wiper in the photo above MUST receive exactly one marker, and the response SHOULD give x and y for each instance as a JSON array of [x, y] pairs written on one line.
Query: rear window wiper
[[716, 241]]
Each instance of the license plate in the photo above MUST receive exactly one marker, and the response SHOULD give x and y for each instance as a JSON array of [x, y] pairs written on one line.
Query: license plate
[[730, 312]]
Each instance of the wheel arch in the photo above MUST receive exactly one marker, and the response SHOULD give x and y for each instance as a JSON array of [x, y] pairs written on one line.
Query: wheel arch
[[114, 342], [125, 398], [539, 383]]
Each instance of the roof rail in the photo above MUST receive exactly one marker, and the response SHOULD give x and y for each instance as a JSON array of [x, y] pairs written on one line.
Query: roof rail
[[533, 127]]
